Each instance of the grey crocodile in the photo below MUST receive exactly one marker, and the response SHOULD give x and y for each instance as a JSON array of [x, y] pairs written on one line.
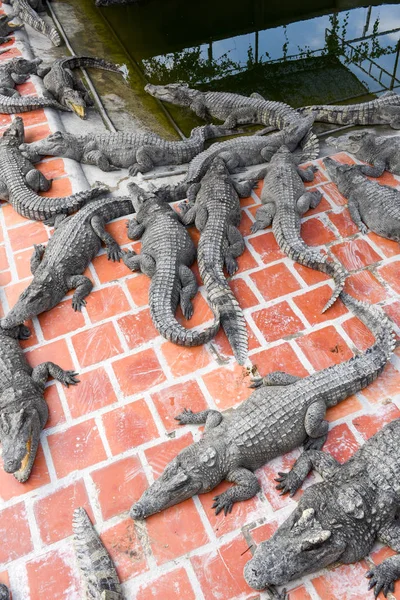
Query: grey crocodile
[[16, 71], [216, 213], [167, 252], [18, 179], [241, 152], [26, 11], [10, 105], [284, 413], [138, 151], [385, 110], [4, 592], [7, 27], [371, 205], [58, 268], [339, 519], [98, 571], [284, 202], [63, 86], [382, 152], [233, 109], [23, 410]]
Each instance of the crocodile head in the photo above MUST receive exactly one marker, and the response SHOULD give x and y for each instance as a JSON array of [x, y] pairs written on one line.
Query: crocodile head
[[175, 93], [15, 134], [22, 66], [73, 99], [42, 294], [315, 535], [4, 593], [20, 430], [56, 144], [352, 142], [342, 175], [195, 470]]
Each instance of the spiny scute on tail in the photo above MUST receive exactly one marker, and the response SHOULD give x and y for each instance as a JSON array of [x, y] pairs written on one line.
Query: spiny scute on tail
[[98, 571]]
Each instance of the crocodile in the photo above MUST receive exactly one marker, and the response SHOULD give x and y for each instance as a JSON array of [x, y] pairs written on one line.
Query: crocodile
[[285, 412], [338, 519], [284, 202], [241, 152], [19, 179], [16, 71], [384, 110], [10, 105], [233, 109], [26, 11], [138, 151], [372, 206], [167, 252], [216, 213], [63, 86], [97, 569], [58, 268], [23, 410], [7, 27], [4, 592], [382, 152]]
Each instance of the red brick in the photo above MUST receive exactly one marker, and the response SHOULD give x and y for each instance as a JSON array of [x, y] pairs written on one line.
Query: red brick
[[390, 273], [125, 549], [221, 573], [386, 179], [119, 485], [4, 578], [137, 328], [315, 233], [312, 303], [138, 372], [10, 487], [228, 386], [170, 401], [393, 312], [3, 259], [5, 278], [346, 582], [108, 302], [245, 224], [344, 158], [324, 348], [34, 117], [138, 286], [96, 344], [264, 532], [359, 333], [119, 231], [108, 270], [129, 426], [53, 576], [386, 386], [275, 281], [243, 293], [279, 358], [27, 235], [369, 424], [320, 176], [330, 190], [60, 320], [93, 392], [266, 246], [54, 512], [365, 286], [171, 586], [202, 313], [388, 247], [78, 447], [222, 347], [269, 472], [52, 168], [56, 411], [33, 134], [159, 456], [277, 322], [13, 291], [355, 254], [299, 593], [343, 409], [11, 217], [22, 262], [344, 223], [246, 261], [323, 206], [59, 188], [310, 276], [56, 352], [341, 443], [27, 88], [14, 533], [182, 360]]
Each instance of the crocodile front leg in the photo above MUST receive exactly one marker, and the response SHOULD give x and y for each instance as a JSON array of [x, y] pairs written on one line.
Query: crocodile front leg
[[188, 213], [243, 188], [36, 257], [114, 252], [188, 290], [42, 372], [321, 462], [83, 286], [97, 158], [199, 107], [355, 214], [211, 418], [383, 576], [241, 116], [235, 248], [247, 486], [376, 170]]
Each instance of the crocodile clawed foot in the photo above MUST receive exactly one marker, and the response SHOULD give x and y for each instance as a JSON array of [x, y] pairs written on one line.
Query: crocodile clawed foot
[[78, 303], [134, 170], [70, 378], [288, 483], [231, 265], [363, 229], [223, 502], [255, 227], [24, 332], [382, 579], [185, 417], [256, 382], [114, 253]]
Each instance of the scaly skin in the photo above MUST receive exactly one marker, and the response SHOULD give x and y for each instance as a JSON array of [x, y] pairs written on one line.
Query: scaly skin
[[339, 519], [62, 85], [16, 71], [138, 151], [272, 421], [26, 11], [23, 410], [233, 109], [284, 202], [167, 252], [4, 593], [385, 110], [16, 171], [7, 27], [97, 569], [216, 213], [372, 206], [383, 153], [58, 268]]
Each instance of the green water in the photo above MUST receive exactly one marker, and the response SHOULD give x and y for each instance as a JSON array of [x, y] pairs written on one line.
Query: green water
[[300, 53]]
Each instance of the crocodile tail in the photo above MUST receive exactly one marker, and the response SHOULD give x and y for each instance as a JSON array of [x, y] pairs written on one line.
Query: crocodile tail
[[18, 104], [160, 303], [70, 204], [98, 571], [376, 320], [31, 17], [309, 147], [74, 62], [172, 193], [232, 319]]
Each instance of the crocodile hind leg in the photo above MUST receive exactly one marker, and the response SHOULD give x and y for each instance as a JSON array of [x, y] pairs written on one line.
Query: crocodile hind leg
[[390, 115], [140, 262], [235, 248], [36, 257], [275, 378], [199, 107], [321, 462], [308, 200], [307, 174], [376, 170], [188, 290], [246, 487], [37, 181], [383, 576], [114, 252], [241, 116], [315, 425], [264, 217], [211, 418], [97, 158], [355, 214], [82, 286]]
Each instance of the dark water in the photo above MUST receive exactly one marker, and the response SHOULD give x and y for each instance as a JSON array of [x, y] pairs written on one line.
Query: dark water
[[313, 53]]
